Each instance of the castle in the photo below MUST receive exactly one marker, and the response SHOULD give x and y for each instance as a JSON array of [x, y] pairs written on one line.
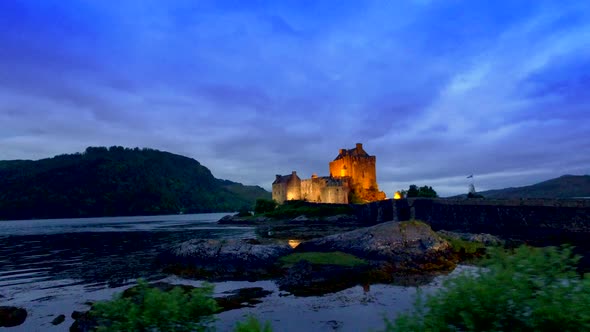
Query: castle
[[352, 178]]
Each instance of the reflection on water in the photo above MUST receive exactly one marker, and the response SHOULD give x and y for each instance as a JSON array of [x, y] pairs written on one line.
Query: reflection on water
[[97, 251], [53, 267]]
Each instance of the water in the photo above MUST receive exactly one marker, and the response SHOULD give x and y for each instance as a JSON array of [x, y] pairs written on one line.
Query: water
[[53, 267]]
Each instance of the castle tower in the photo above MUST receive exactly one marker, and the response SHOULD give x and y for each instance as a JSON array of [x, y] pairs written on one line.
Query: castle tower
[[286, 188], [358, 167]]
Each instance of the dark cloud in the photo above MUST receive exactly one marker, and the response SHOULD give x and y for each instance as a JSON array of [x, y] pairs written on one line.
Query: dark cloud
[[437, 90]]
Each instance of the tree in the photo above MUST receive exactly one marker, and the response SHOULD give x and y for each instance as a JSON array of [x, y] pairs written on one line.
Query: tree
[[424, 191], [413, 191], [264, 205]]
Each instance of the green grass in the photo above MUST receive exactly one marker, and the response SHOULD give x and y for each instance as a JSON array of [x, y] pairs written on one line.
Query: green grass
[[292, 209], [323, 258], [467, 247]]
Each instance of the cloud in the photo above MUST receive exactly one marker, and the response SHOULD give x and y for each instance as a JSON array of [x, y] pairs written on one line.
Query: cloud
[[437, 90]]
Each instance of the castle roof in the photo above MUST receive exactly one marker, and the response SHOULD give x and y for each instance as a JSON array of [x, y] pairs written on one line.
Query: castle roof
[[356, 152], [285, 178]]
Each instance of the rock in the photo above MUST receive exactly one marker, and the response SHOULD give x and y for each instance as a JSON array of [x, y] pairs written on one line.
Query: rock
[[300, 219], [58, 320], [486, 239], [224, 259], [306, 279], [83, 322], [342, 218], [12, 316], [240, 298], [410, 245]]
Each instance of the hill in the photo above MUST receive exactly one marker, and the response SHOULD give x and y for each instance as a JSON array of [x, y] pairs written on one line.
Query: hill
[[116, 182], [566, 186]]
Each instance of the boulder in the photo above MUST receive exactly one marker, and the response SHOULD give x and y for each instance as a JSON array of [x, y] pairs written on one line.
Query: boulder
[[483, 238], [408, 245], [301, 218], [58, 320], [12, 316], [83, 322], [306, 279], [224, 259]]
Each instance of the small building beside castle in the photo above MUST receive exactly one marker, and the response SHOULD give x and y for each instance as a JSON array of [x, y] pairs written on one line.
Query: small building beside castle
[[353, 177]]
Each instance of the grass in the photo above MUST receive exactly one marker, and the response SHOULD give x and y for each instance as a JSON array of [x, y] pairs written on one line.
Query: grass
[[323, 258], [467, 247], [292, 209]]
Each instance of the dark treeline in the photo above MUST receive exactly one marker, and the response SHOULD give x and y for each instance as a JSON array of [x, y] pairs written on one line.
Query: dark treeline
[[116, 181]]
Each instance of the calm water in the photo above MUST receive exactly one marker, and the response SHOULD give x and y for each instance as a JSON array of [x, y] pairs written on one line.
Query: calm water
[[53, 267]]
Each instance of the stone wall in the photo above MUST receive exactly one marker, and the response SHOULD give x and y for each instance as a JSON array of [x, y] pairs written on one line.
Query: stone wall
[[324, 190], [530, 220]]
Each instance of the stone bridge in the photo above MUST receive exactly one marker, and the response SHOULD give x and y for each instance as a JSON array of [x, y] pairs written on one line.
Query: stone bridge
[[544, 221]]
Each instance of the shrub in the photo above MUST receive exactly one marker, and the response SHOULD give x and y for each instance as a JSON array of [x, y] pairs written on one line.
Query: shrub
[[264, 205], [463, 246], [291, 209], [151, 309], [252, 325], [531, 290]]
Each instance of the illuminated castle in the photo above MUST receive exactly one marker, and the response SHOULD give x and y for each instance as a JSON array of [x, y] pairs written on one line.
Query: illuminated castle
[[352, 176]]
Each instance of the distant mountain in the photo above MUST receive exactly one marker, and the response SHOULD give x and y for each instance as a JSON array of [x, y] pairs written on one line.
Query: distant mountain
[[566, 186], [116, 182]]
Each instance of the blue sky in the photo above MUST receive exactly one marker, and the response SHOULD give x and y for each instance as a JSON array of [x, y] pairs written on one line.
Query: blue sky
[[437, 90]]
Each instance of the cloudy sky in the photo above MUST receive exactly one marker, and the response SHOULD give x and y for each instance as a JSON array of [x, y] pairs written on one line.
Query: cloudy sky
[[437, 90]]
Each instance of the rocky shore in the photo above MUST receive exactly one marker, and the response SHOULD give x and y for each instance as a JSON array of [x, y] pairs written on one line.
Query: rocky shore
[[335, 254], [386, 251]]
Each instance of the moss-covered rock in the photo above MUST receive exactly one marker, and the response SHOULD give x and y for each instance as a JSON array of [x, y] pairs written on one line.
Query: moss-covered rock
[[409, 245]]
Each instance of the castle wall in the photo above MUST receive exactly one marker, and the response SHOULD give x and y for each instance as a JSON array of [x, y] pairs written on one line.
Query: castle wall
[[294, 189], [279, 192], [319, 190], [286, 188], [335, 195], [311, 190]]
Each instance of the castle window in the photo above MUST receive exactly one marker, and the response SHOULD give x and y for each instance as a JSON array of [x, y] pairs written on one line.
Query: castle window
[[343, 171]]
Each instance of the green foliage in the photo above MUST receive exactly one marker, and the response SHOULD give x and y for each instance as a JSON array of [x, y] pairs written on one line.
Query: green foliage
[[151, 309], [530, 290], [292, 209], [116, 182], [323, 258], [264, 205], [468, 247], [424, 191], [252, 325]]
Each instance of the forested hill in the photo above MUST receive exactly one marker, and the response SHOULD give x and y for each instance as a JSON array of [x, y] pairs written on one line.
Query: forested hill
[[566, 186], [116, 182]]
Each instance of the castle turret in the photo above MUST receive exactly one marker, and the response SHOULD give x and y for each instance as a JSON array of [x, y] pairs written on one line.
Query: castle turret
[[360, 169]]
